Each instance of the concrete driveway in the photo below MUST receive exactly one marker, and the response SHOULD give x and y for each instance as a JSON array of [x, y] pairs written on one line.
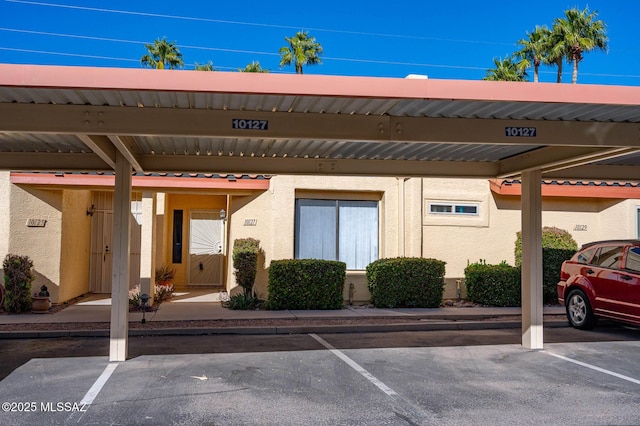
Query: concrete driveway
[[322, 380]]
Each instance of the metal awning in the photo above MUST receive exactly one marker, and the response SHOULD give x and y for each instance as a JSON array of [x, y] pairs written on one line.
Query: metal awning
[[214, 122]]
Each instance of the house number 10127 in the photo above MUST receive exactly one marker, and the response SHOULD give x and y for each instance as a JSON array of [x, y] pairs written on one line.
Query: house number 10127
[[240, 123], [527, 132]]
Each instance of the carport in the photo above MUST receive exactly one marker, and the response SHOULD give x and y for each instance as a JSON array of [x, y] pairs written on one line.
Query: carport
[[125, 120]]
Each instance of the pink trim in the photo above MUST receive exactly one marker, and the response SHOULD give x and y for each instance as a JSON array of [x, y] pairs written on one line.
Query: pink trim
[[157, 182], [65, 77]]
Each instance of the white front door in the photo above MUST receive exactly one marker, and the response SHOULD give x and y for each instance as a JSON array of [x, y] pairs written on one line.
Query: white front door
[[206, 248]]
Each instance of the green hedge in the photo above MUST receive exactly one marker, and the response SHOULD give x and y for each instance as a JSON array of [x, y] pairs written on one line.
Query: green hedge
[[245, 262], [493, 285], [552, 259], [406, 282], [306, 284]]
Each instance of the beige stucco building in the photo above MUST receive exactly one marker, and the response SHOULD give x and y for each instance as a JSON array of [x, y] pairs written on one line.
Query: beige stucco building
[[63, 222]]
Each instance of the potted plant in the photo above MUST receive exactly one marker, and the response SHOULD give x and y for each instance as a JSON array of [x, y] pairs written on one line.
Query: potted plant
[[41, 302]]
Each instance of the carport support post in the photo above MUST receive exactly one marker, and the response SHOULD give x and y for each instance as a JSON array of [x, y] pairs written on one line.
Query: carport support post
[[531, 206], [120, 268], [148, 246]]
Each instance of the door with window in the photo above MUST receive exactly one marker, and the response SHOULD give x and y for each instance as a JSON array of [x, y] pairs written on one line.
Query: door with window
[[206, 248]]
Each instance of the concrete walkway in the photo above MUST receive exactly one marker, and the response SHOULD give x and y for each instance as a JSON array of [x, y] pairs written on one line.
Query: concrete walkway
[[203, 306]]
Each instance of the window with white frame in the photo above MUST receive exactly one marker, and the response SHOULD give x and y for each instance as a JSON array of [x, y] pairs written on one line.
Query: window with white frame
[[344, 230], [464, 209]]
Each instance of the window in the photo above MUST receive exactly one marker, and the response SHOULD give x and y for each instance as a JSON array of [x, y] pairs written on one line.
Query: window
[[337, 230], [454, 208], [608, 257], [633, 259], [585, 256]]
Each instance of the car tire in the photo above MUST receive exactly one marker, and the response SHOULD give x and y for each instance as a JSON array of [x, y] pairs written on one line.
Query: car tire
[[579, 311]]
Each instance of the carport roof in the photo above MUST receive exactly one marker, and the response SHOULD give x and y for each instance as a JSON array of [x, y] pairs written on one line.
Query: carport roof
[[75, 118]]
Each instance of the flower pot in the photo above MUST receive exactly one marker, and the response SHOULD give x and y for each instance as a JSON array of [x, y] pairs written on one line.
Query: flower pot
[[40, 304]]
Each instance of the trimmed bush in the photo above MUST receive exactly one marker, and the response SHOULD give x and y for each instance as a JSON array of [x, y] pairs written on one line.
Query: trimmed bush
[[306, 284], [552, 237], [18, 277], [552, 259], [406, 282], [557, 246], [245, 262], [493, 285]]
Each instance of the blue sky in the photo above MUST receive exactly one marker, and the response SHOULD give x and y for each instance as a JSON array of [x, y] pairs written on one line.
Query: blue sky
[[450, 39]]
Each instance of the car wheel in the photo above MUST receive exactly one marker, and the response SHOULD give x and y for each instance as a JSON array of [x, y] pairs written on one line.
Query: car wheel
[[579, 311]]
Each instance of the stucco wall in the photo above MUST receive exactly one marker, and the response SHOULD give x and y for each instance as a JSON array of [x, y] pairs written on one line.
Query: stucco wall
[[275, 216], [41, 244], [75, 247], [492, 235]]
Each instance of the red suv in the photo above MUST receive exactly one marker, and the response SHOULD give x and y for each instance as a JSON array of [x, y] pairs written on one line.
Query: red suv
[[602, 280]]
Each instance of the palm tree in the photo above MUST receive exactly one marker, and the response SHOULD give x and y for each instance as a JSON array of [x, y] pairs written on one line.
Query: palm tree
[[162, 54], [581, 32], [253, 67], [505, 70], [302, 50], [533, 50], [556, 49], [204, 67]]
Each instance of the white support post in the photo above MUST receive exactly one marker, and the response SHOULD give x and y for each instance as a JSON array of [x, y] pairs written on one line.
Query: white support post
[[120, 269], [531, 205], [147, 245]]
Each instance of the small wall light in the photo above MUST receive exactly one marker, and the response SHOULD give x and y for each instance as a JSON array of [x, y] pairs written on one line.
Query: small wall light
[[144, 298], [91, 210], [223, 214]]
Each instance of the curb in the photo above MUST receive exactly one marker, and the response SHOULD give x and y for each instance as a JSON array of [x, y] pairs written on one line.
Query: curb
[[325, 329]]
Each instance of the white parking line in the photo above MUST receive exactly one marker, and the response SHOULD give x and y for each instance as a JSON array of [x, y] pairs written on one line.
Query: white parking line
[[97, 386], [593, 367], [384, 388]]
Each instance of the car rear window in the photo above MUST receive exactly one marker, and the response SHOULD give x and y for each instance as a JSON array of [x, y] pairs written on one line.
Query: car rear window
[[633, 259], [608, 256]]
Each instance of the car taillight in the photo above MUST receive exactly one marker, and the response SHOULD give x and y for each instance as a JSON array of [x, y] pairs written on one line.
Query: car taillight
[[564, 275]]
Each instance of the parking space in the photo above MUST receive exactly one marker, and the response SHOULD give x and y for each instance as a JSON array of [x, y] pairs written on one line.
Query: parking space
[[320, 380]]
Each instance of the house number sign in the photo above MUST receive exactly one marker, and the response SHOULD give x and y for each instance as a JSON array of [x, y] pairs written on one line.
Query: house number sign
[[240, 123], [527, 132]]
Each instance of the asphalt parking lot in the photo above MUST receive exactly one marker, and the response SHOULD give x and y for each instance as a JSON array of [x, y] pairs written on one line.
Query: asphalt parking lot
[[340, 379]]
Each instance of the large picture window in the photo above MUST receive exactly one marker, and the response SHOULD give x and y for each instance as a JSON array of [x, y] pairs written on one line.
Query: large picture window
[[337, 230]]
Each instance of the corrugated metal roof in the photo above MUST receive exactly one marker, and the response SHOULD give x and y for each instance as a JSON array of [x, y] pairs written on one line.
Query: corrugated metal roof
[[343, 97]]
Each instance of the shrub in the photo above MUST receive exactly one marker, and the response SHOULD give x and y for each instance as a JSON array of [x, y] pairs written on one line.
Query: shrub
[[162, 293], [243, 302], [306, 284], [493, 285], [552, 237], [134, 296], [406, 282], [552, 259], [245, 262], [18, 277], [165, 274], [557, 246]]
